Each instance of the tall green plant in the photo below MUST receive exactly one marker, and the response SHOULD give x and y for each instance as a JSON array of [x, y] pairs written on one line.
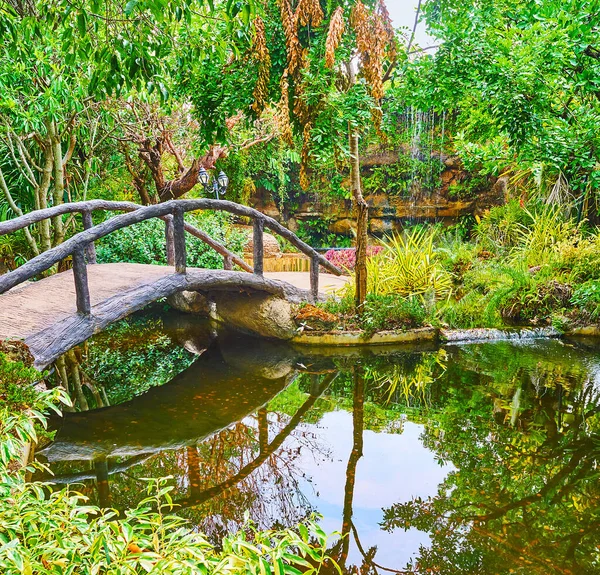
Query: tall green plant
[[408, 266]]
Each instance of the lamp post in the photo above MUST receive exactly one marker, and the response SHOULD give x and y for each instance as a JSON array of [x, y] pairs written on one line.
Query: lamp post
[[219, 184]]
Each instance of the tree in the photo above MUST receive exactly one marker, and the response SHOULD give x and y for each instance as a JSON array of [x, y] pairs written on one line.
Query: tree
[[62, 65], [297, 64], [520, 83]]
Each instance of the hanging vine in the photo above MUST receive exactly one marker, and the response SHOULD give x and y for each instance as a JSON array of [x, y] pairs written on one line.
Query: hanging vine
[[260, 54], [334, 36]]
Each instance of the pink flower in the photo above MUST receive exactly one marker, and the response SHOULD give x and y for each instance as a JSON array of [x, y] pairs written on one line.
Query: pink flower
[[346, 258]]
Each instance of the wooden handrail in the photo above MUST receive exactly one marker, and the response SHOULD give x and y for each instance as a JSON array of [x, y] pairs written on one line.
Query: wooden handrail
[[86, 209], [172, 209]]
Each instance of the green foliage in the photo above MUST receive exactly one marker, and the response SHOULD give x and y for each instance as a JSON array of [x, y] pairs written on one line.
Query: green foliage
[[380, 313], [502, 227], [396, 179], [16, 384], [408, 266], [468, 188], [144, 243], [315, 232], [390, 312], [57, 531], [14, 250], [132, 356], [519, 81], [538, 241], [587, 297]]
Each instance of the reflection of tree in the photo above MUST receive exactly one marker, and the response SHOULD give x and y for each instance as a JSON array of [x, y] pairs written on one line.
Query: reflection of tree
[[355, 455], [72, 376], [266, 451], [525, 496]]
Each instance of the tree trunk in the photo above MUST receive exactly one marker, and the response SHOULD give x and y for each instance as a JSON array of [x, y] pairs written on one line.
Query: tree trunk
[[362, 210], [362, 223], [76, 380], [42, 199], [59, 180], [355, 455]]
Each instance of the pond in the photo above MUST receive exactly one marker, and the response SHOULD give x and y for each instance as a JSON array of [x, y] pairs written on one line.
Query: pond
[[478, 458]]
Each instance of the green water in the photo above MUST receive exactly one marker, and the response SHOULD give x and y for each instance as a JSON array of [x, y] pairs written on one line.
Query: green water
[[470, 459]]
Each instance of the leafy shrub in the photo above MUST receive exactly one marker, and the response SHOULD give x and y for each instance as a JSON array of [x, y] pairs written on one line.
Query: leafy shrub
[[579, 258], [16, 383], [144, 243], [346, 259], [456, 255], [468, 312], [587, 298], [502, 227], [528, 298], [408, 266], [315, 232], [16, 378], [392, 312], [539, 240]]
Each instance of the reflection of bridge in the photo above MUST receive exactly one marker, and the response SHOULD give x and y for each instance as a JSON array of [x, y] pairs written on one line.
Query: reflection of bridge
[[63, 310], [223, 386]]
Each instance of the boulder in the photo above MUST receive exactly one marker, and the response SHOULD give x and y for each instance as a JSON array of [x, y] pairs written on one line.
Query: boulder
[[190, 302], [380, 226], [270, 244], [256, 314], [344, 226]]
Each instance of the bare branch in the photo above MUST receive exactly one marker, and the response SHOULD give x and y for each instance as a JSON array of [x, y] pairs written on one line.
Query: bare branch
[[17, 210]]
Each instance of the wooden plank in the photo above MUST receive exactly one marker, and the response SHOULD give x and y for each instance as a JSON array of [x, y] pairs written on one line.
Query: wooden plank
[[179, 240], [314, 278], [258, 244], [90, 250], [82, 290]]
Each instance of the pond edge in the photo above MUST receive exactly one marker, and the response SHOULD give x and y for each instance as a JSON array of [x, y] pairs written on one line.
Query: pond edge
[[431, 334]]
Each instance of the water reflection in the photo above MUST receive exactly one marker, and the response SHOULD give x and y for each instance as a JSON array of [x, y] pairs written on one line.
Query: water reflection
[[465, 460]]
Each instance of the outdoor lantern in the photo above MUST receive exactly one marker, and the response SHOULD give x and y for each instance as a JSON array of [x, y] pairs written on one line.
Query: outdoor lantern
[[203, 176], [223, 181]]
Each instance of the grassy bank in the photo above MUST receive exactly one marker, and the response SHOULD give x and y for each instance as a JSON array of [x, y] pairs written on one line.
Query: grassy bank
[[517, 266]]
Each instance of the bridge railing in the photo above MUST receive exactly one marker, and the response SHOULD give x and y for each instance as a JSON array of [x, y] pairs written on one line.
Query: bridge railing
[[81, 246]]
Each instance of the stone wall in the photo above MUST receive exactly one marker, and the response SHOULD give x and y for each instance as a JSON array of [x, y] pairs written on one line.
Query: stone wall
[[387, 212]]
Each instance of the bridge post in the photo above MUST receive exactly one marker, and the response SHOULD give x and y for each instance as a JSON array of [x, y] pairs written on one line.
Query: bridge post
[[179, 240], [259, 226], [90, 249], [169, 241], [82, 290], [314, 277]]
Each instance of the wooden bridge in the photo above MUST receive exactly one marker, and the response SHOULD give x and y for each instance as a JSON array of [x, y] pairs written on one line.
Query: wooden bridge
[[62, 310]]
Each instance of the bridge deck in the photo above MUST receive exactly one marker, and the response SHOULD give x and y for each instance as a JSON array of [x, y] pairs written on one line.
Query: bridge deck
[[44, 313]]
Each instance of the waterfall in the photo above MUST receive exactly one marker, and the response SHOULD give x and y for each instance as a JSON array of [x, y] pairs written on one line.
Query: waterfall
[[423, 132]]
